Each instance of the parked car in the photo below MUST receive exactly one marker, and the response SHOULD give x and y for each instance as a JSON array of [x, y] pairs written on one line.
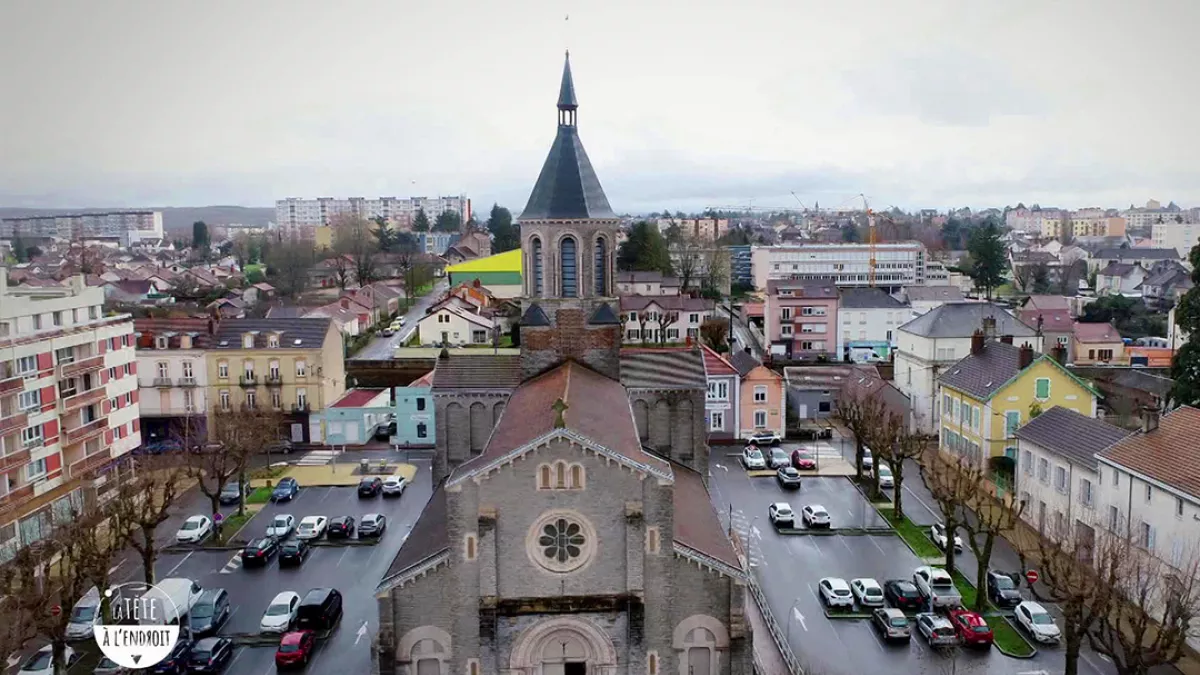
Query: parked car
[[293, 552], [973, 631], [176, 662], [868, 459], [211, 655], [385, 431], [867, 592], [1002, 590], [781, 515], [42, 661], [282, 446], [281, 613], [210, 612], [281, 526], [258, 551], [341, 527], [109, 667], [85, 616], [891, 624], [295, 649], [937, 532], [815, 515], [372, 525], [752, 459], [765, 438], [388, 331], [902, 594], [886, 479], [312, 527], [935, 584], [194, 530], [320, 609], [287, 488], [777, 458], [805, 459], [1037, 622], [835, 592], [370, 486], [233, 492], [788, 477], [937, 629], [393, 486]]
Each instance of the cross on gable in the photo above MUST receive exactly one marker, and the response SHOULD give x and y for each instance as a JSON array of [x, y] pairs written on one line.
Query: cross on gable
[[560, 408]]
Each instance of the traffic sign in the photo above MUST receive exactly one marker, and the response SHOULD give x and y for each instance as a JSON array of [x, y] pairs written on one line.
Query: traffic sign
[[56, 610], [1031, 576]]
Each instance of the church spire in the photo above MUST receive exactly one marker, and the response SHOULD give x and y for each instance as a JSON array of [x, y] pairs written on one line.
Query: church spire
[[567, 103]]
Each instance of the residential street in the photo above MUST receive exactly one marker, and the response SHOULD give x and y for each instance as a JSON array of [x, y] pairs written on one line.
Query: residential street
[[381, 348], [741, 333]]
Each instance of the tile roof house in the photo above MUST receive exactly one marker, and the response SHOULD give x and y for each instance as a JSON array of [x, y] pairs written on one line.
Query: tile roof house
[[1097, 343], [346, 320], [1166, 284], [660, 319], [1119, 278], [722, 402]]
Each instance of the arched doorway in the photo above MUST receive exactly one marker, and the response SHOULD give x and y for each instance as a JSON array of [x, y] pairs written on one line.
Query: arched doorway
[[564, 646]]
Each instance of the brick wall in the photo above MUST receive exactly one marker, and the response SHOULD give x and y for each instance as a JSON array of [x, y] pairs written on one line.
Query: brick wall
[[570, 337]]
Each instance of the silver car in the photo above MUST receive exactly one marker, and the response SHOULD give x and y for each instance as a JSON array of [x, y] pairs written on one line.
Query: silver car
[[937, 629], [891, 624], [84, 616]]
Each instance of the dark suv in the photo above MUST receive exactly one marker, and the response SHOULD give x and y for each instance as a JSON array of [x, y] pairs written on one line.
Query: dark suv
[[370, 486], [209, 613], [1002, 590]]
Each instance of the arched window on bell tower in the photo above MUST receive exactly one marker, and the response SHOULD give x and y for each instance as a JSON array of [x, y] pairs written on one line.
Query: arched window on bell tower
[[536, 246], [600, 272], [568, 267]]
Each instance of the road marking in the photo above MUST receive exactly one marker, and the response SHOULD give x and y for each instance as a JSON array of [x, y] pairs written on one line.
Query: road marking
[[800, 617], [362, 631], [237, 655], [722, 466], [325, 495], [1034, 672], [755, 531], [234, 563], [345, 550], [116, 567], [180, 563], [872, 540]]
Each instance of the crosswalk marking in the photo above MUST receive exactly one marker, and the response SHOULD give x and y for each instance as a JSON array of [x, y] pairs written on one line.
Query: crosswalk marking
[[317, 458], [234, 563]]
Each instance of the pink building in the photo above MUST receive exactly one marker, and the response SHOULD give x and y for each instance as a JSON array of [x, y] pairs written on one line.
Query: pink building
[[801, 319]]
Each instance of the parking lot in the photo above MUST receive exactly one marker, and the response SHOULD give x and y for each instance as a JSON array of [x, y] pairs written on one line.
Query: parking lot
[[789, 567], [352, 569]]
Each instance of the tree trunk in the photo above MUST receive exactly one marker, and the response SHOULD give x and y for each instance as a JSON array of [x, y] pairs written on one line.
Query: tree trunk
[[149, 554], [981, 570], [951, 527], [242, 490], [59, 656], [898, 489], [1072, 643], [858, 458]]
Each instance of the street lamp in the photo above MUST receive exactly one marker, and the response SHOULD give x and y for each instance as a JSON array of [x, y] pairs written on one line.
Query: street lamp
[[791, 614]]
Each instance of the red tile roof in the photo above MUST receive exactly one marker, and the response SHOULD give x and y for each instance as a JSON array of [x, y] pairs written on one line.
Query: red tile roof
[[1096, 332], [1169, 454], [715, 365], [1053, 321], [357, 398]]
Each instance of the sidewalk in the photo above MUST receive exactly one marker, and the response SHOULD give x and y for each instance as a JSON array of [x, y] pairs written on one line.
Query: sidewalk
[[766, 653]]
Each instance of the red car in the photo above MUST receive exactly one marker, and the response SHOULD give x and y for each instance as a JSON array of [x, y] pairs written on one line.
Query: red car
[[804, 459], [295, 649], [972, 629]]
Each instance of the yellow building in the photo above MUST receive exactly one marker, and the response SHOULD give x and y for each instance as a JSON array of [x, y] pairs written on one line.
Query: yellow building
[[294, 366], [998, 387]]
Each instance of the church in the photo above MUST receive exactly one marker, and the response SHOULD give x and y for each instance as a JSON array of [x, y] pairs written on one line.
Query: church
[[570, 529]]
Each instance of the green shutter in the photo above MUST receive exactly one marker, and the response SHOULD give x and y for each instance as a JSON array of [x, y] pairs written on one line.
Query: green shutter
[[1042, 388], [1013, 420]]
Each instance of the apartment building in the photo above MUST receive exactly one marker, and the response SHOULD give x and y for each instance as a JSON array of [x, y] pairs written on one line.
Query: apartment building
[[295, 212], [294, 366], [173, 377], [666, 318], [801, 319], [869, 319], [703, 229], [1182, 237], [897, 264], [1023, 219], [126, 227], [68, 405], [1154, 212]]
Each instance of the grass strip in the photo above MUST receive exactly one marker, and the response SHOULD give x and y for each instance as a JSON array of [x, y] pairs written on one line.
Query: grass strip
[[261, 495], [1007, 638], [233, 523], [965, 588], [911, 533]]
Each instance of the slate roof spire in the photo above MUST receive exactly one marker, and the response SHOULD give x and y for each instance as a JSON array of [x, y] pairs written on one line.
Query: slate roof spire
[[567, 188]]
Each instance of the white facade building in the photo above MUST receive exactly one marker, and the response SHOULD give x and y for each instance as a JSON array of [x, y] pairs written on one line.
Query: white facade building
[[296, 212], [126, 227], [868, 320], [1182, 237], [688, 314], [896, 264], [452, 324]]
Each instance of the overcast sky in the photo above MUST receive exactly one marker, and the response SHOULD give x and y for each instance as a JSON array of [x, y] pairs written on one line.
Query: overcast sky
[[683, 105]]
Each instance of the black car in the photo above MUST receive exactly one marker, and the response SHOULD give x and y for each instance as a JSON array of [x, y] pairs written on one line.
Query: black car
[[293, 552], [902, 594], [176, 662], [211, 655], [210, 612], [341, 527], [370, 486], [372, 525], [233, 492], [788, 477], [1002, 590], [259, 551]]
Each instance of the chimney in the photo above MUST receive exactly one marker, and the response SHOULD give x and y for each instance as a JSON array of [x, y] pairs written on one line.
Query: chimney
[[1150, 416], [1026, 356], [1006, 339], [1039, 325], [989, 326], [977, 341], [1059, 353]]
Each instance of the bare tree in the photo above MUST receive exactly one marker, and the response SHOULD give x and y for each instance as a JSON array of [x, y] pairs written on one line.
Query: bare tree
[[665, 319], [714, 332], [354, 239], [233, 438], [143, 502], [643, 318], [990, 518], [342, 269], [952, 482], [860, 414], [910, 444], [686, 259], [288, 264]]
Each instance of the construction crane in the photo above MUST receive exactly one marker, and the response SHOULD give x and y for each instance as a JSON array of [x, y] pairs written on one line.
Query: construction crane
[[870, 241]]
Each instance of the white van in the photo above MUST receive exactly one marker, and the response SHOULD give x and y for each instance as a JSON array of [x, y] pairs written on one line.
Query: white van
[[182, 593], [85, 615]]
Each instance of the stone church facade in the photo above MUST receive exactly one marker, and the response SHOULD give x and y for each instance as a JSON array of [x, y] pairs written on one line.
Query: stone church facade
[[570, 530]]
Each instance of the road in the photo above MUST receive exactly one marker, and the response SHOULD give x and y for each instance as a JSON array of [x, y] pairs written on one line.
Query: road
[[742, 334], [382, 348], [353, 570], [789, 568]]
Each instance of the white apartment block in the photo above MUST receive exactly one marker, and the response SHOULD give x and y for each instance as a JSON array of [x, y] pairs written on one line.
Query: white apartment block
[[896, 264], [126, 227], [703, 229], [68, 405], [1182, 237], [295, 212]]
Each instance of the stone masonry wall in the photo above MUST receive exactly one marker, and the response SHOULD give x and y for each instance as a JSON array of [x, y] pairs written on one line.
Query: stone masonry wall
[[570, 337]]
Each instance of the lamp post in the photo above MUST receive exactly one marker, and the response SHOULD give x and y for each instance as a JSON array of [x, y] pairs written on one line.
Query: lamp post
[[791, 614]]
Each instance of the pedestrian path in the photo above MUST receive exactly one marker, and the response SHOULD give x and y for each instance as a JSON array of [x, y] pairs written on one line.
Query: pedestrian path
[[317, 458], [751, 536]]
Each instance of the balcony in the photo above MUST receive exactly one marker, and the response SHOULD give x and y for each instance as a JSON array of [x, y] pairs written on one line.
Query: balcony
[[249, 407], [83, 432], [82, 366], [17, 496], [248, 380], [300, 407], [12, 421], [162, 382], [187, 381], [86, 398], [12, 384], [274, 380], [13, 460], [91, 462]]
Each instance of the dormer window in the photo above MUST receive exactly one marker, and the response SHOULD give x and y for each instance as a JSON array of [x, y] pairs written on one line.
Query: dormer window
[[273, 340], [185, 341], [160, 342], [248, 341]]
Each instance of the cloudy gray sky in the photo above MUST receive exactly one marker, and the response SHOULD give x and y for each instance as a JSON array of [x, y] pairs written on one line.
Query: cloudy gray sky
[[689, 104]]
